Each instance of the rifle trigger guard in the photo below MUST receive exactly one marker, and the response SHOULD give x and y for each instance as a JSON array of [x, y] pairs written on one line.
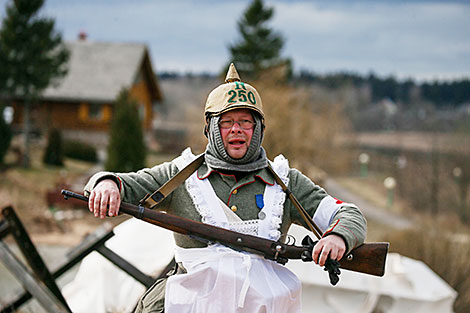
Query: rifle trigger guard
[[331, 266], [309, 244]]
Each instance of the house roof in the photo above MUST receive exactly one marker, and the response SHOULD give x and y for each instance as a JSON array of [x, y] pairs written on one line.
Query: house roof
[[97, 71]]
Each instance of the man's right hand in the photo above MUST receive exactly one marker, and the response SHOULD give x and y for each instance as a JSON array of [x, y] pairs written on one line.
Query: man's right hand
[[105, 197]]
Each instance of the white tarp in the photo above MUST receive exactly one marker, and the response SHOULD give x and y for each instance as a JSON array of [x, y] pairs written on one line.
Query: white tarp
[[101, 287], [408, 285]]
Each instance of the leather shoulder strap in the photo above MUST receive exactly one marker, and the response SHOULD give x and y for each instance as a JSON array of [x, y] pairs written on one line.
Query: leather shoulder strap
[[151, 200], [308, 220]]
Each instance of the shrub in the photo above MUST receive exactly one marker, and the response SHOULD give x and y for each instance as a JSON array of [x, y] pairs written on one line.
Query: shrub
[[446, 253], [80, 151], [54, 154], [126, 150]]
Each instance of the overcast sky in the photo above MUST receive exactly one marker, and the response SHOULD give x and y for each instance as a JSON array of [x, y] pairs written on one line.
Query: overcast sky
[[418, 39]]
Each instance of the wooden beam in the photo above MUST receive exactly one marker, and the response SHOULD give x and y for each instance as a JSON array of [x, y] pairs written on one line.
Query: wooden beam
[[32, 256], [4, 229], [130, 269], [75, 256], [44, 296]]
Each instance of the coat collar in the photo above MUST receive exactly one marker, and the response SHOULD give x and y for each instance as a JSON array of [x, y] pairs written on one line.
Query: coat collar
[[204, 171]]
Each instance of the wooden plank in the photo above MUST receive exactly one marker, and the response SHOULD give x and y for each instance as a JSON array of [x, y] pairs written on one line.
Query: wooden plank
[[44, 296], [92, 242], [75, 256], [127, 267], [4, 229], [30, 253], [88, 245]]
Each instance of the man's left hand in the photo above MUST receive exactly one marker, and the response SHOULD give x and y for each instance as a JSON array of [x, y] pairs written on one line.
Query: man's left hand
[[332, 246]]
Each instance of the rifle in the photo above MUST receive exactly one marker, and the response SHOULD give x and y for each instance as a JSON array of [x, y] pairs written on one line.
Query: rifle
[[368, 258]]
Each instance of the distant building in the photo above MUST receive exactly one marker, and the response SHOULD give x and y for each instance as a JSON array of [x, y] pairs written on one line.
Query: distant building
[[84, 98]]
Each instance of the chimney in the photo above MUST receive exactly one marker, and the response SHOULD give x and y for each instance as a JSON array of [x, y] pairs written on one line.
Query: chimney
[[82, 36]]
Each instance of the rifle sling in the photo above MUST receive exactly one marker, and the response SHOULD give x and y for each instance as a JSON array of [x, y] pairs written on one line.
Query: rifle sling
[[151, 200], [308, 220]]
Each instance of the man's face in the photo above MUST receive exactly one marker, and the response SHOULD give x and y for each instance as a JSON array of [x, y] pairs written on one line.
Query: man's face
[[236, 138]]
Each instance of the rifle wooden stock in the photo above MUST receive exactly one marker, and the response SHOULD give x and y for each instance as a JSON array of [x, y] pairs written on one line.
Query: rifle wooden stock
[[369, 258]]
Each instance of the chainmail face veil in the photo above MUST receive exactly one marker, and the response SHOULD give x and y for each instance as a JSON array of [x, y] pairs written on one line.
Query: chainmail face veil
[[217, 157]]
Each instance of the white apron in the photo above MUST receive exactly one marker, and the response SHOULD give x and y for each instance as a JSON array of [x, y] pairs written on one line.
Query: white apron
[[220, 279]]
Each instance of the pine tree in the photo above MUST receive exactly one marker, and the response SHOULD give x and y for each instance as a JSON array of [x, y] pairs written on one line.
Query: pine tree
[[259, 47], [126, 150], [31, 57], [5, 136]]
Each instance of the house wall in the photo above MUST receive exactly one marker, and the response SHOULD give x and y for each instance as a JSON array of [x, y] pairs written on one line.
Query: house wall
[[76, 115], [141, 93], [65, 115]]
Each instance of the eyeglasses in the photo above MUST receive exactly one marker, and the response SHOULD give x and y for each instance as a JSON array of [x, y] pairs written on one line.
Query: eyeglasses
[[244, 124]]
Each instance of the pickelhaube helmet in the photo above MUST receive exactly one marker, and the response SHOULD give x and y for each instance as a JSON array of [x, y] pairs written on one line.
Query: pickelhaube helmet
[[233, 94]]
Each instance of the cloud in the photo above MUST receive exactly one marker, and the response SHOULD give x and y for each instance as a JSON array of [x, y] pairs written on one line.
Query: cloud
[[421, 39], [406, 39], [182, 35]]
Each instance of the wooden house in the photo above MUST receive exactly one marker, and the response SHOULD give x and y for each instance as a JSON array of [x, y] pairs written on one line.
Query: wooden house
[[84, 99]]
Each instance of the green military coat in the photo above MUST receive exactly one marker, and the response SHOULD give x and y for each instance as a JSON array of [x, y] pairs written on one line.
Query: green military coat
[[239, 195]]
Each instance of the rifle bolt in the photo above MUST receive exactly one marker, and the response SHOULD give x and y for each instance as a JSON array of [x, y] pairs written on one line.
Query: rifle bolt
[[350, 257], [239, 240], [278, 248]]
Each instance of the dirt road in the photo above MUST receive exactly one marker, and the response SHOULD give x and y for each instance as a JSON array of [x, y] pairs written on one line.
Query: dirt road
[[371, 211]]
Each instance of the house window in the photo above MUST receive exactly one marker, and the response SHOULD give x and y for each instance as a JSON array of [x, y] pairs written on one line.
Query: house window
[[95, 112]]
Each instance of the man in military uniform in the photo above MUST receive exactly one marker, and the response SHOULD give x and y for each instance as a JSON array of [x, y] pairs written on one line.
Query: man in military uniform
[[232, 189]]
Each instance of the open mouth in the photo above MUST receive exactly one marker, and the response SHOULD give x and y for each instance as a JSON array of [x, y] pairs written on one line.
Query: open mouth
[[236, 142]]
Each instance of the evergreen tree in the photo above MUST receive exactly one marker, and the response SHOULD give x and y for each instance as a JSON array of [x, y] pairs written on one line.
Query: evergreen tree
[[5, 136], [259, 47], [31, 57], [54, 154], [126, 150]]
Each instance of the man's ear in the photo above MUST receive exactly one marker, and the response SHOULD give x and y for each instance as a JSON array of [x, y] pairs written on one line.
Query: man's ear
[[263, 126], [206, 127]]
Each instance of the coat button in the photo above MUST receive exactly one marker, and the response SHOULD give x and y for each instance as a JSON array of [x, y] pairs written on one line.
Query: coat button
[[235, 192], [234, 208]]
